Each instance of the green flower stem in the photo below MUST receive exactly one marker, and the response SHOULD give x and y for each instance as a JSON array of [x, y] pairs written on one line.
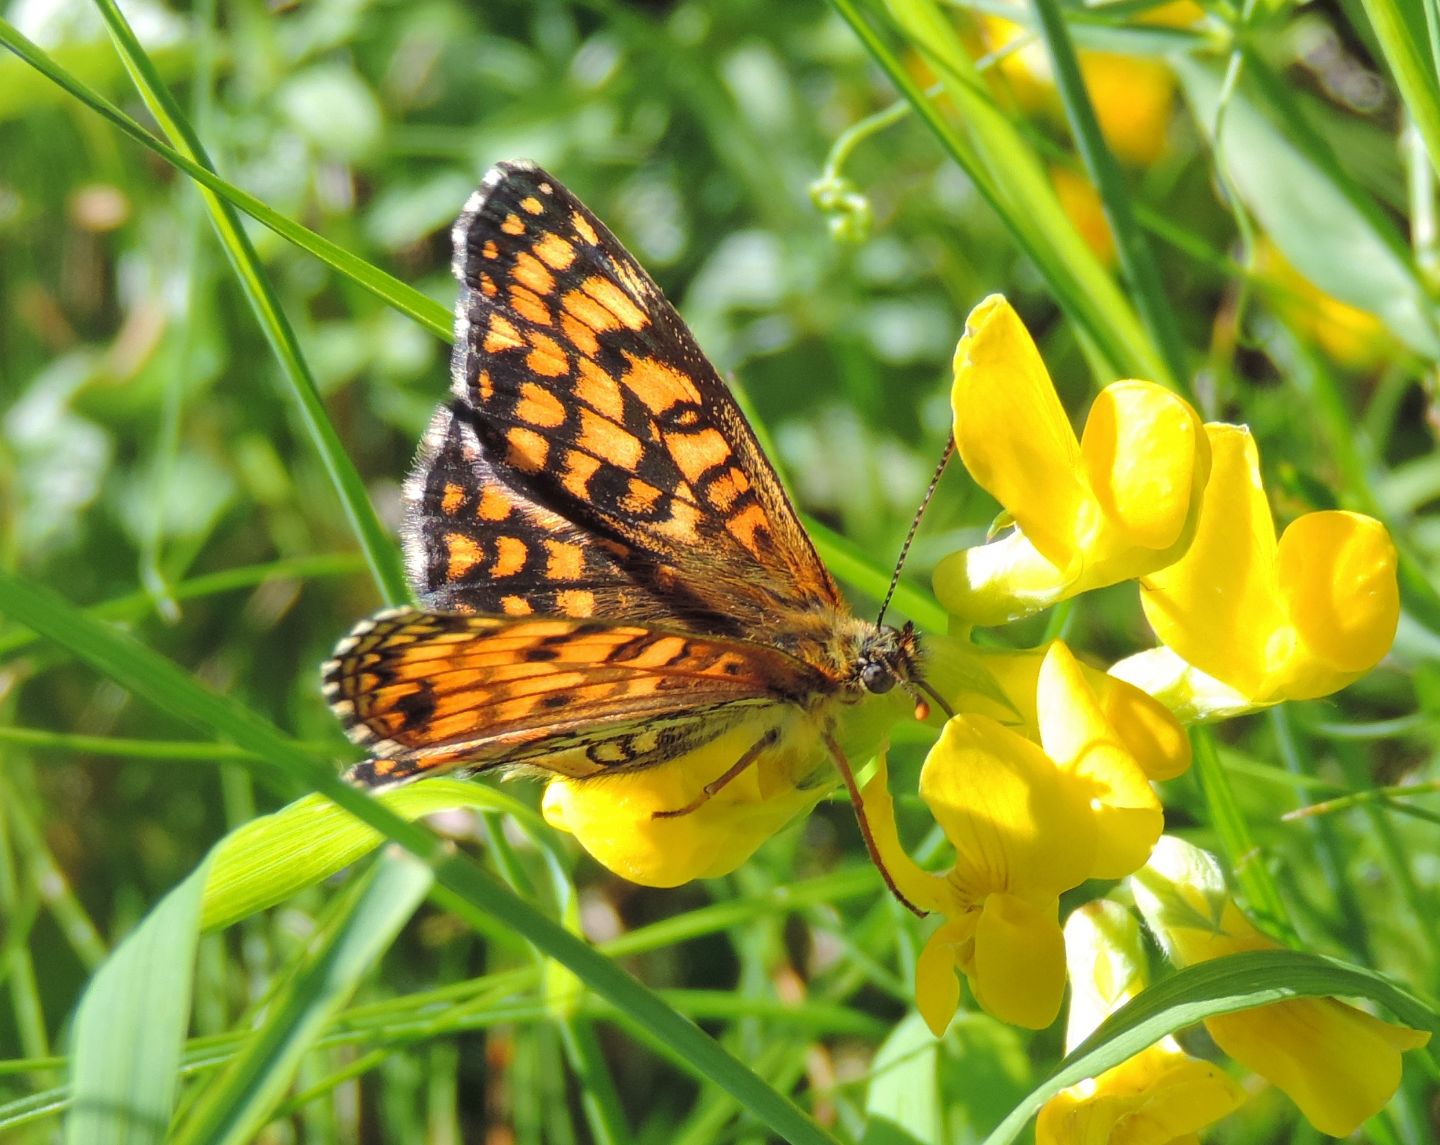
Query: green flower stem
[[1010, 177], [1131, 246]]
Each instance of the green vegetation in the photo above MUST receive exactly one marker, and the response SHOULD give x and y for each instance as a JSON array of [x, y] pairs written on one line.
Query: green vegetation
[[211, 386]]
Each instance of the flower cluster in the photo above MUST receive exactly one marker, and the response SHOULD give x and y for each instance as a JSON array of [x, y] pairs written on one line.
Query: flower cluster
[[1043, 777]]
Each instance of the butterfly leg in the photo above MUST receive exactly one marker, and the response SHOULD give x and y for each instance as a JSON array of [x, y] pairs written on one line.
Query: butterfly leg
[[754, 752], [843, 766]]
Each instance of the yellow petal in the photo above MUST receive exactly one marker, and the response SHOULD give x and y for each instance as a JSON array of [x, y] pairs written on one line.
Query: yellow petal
[[1106, 961], [614, 818], [1338, 1064], [937, 990], [1076, 735], [1019, 967], [1152, 735], [1012, 433], [1159, 1097], [1217, 606], [1146, 455], [1016, 821], [926, 891], [1337, 573]]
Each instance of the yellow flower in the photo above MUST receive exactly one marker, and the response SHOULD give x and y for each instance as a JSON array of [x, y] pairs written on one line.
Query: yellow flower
[[1119, 503], [1081, 204], [1338, 1064], [1027, 822], [614, 817], [1004, 686], [1161, 1096], [1349, 335], [1271, 620], [1133, 97]]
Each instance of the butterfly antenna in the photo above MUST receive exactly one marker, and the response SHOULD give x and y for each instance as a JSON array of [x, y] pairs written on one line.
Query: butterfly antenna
[[914, 526]]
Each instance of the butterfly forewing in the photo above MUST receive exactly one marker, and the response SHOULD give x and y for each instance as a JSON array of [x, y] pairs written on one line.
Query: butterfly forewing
[[589, 391]]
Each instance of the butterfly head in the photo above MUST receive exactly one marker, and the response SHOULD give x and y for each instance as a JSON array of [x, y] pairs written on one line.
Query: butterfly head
[[887, 656]]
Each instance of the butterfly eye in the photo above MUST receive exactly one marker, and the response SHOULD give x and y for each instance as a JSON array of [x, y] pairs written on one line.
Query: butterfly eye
[[876, 677]]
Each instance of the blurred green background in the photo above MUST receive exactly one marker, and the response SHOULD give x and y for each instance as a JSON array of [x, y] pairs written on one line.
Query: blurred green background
[[152, 463]]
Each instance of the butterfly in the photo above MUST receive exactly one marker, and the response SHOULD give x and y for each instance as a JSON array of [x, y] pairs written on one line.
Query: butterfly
[[609, 572]]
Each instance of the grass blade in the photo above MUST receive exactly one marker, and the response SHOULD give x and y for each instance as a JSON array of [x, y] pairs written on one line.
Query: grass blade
[[130, 1027], [238, 1103], [374, 540], [1237, 982], [1131, 246]]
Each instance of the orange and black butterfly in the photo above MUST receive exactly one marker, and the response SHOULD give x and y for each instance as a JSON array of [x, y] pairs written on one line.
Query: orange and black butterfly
[[610, 574]]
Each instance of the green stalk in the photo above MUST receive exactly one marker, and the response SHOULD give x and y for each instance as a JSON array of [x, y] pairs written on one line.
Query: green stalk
[[1131, 246]]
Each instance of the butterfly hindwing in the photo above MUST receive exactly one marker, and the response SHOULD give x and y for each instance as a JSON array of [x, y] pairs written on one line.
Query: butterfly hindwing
[[589, 391], [424, 690]]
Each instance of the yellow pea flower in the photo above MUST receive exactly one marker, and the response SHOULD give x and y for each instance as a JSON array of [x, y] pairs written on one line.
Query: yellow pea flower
[[1340, 1065], [1350, 336], [1271, 620], [613, 818], [1027, 821], [1116, 504], [1162, 1095], [1133, 97]]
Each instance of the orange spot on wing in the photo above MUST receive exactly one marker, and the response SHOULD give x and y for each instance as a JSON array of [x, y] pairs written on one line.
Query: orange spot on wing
[[581, 336], [494, 505], [484, 386], [531, 205], [515, 606], [615, 300], [588, 312], [526, 303], [565, 561], [727, 488], [487, 286], [546, 357], [601, 390], [527, 451], [583, 228], [746, 527], [579, 468], [658, 385], [490, 250], [697, 453], [554, 251], [501, 335], [513, 224], [452, 498], [510, 553], [464, 555], [682, 523], [539, 406], [658, 653], [576, 602], [606, 439], [530, 271], [640, 497]]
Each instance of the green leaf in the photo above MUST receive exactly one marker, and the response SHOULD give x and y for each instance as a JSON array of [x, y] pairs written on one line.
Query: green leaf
[[269, 859], [238, 1103], [1320, 220], [130, 1027], [949, 1089]]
